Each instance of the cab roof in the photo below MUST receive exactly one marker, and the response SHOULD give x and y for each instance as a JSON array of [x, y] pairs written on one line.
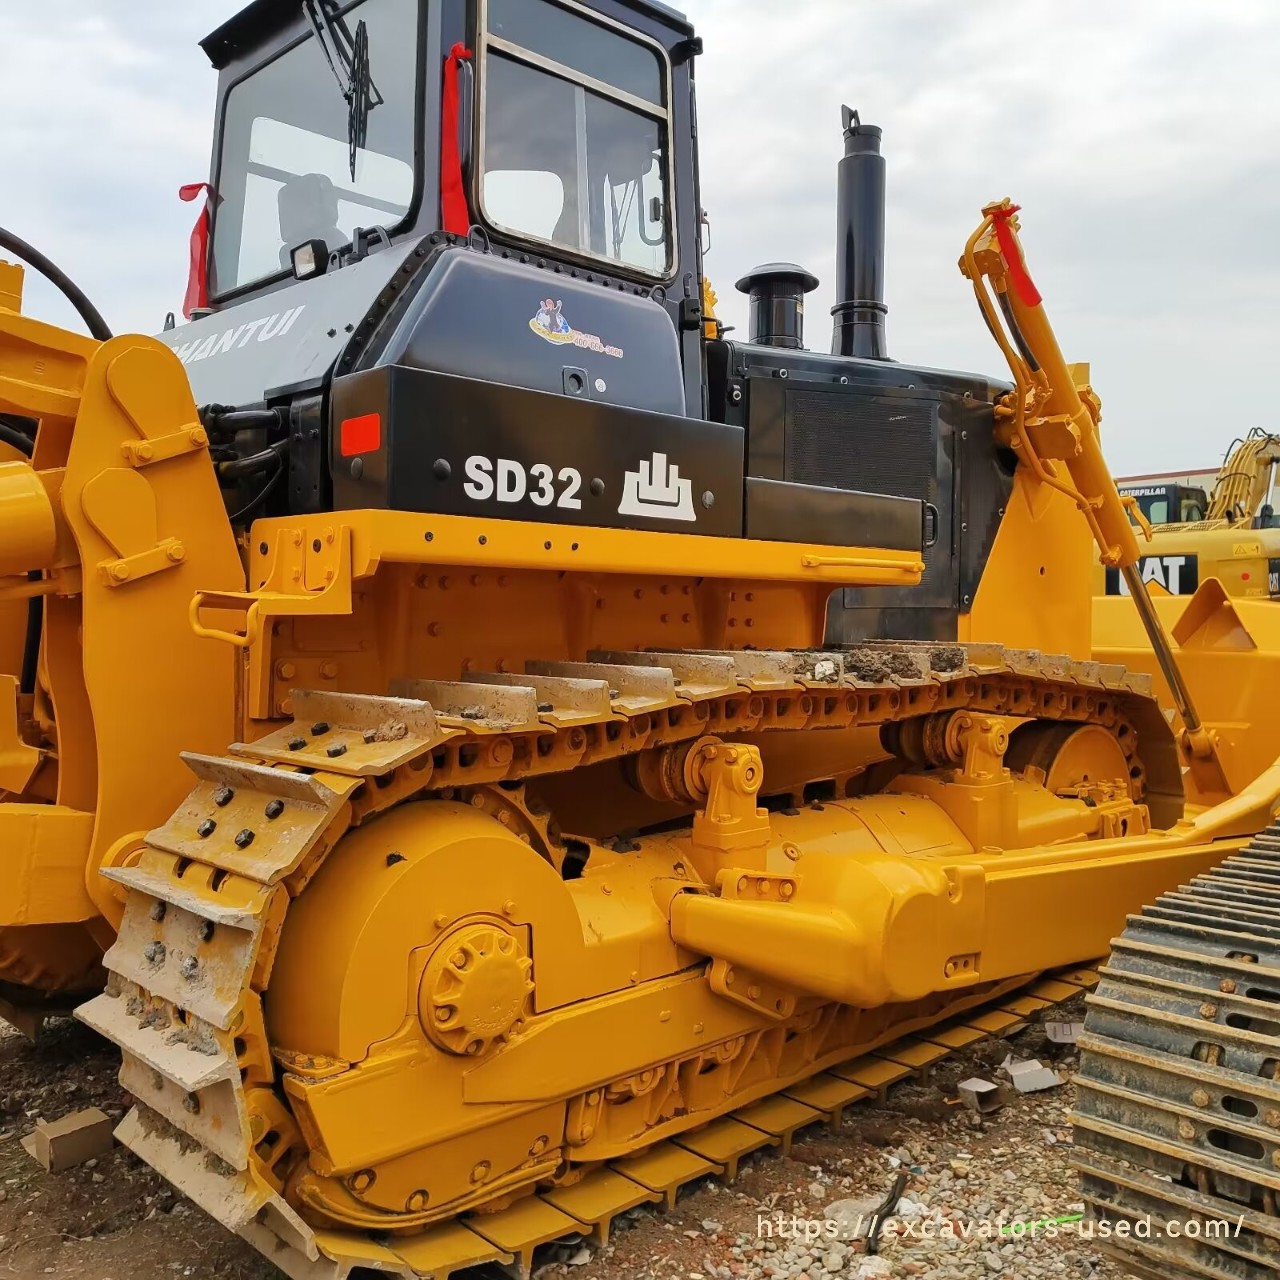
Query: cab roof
[[265, 18]]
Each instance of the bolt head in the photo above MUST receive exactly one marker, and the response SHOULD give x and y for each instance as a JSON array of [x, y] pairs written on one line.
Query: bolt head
[[223, 797], [206, 828], [244, 838]]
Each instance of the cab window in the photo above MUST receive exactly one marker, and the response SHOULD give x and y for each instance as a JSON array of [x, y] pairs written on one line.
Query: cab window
[[289, 170], [574, 134]]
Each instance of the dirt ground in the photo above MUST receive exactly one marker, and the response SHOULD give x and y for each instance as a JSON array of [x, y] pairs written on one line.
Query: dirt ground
[[116, 1220]]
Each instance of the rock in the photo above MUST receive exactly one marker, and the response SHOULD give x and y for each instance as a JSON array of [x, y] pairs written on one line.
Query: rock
[[874, 1268], [993, 1261], [853, 1217]]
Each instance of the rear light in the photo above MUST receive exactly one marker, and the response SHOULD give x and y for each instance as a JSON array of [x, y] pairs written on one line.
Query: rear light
[[360, 435]]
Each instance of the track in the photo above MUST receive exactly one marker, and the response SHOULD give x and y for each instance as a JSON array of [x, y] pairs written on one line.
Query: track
[[207, 898], [1177, 1115]]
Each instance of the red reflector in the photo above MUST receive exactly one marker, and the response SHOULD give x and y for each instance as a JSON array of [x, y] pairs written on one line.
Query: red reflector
[[360, 435], [1244, 577]]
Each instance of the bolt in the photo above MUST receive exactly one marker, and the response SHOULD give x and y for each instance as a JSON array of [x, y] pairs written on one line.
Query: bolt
[[1186, 1129], [274, 808], [296, 744], [336, 750], [363, 1180], [320, 727], [1272, 1119], [120, 571], [207, 930], [416, 1202], [1227, 986], [157, 910], [206, 828], [480, 1172], [1200, 1097], [197, 436], [154, 953], [509, 907], [244, 838], [329, 670], [191, 1103], [223, 797], [753, 992], [177, 553], [1209, 1011]]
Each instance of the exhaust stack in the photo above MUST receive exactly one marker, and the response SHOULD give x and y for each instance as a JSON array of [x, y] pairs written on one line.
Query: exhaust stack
[[860, 310]]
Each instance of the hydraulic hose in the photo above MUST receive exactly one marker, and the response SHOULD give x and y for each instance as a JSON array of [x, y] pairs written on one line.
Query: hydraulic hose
[[96, 325]]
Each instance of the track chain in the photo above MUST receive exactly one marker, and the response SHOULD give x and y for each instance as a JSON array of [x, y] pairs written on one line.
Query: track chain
[[1177, 1113], [206, 901]]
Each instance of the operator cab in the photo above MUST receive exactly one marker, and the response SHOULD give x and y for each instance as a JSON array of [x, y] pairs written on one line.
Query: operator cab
[[1168, 503], [455, 266]]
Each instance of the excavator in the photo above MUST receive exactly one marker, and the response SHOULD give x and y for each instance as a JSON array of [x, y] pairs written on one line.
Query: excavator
[[1234, 541], [490, 748]]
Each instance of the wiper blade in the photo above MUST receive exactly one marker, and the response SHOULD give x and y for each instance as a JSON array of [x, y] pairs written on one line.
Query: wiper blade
[[348, 59]]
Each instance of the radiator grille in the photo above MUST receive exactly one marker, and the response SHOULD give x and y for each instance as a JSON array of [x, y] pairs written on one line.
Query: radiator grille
[[851, 442]]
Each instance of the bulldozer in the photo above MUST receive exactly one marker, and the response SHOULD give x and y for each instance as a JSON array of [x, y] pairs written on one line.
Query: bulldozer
[[490, 748]]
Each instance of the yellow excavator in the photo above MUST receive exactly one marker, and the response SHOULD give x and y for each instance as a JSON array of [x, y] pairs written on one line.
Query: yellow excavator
[[1238, 539], [492, 749]]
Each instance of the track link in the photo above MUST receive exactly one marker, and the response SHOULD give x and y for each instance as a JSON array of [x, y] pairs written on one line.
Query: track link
[[206, 901], [1177, 1117]]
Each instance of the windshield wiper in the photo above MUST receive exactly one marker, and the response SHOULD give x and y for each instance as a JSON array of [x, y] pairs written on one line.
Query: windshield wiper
[[348, 59]]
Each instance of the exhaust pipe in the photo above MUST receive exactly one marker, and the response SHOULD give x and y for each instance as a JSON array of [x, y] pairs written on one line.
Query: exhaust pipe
[[860, 310]]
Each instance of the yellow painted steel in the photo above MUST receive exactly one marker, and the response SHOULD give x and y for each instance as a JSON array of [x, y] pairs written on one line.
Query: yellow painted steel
[[514, 849], [123, 547]]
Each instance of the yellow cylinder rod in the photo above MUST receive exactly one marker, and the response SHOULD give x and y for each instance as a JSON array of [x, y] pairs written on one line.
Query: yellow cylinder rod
[[28, 533]]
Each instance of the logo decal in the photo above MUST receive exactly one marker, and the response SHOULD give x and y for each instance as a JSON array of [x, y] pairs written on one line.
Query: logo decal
[[1178, 575], [657, 490], [549, 323], [263, 330]]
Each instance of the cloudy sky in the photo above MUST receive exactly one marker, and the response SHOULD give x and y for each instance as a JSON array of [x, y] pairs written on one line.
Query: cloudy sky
[[1140, 136]]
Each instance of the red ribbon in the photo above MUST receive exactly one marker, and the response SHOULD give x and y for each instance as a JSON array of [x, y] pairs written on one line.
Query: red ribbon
[[1023, 285], [454, 214], [198, 272]]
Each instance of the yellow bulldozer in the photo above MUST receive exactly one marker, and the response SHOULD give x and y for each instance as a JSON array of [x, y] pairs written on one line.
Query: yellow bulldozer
[[489, 748]]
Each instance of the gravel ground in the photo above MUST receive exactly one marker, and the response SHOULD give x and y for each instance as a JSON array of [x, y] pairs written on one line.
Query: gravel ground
[[953, 1172]]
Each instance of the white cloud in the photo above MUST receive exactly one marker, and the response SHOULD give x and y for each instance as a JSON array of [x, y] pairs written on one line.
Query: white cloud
[[1137, 134]]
